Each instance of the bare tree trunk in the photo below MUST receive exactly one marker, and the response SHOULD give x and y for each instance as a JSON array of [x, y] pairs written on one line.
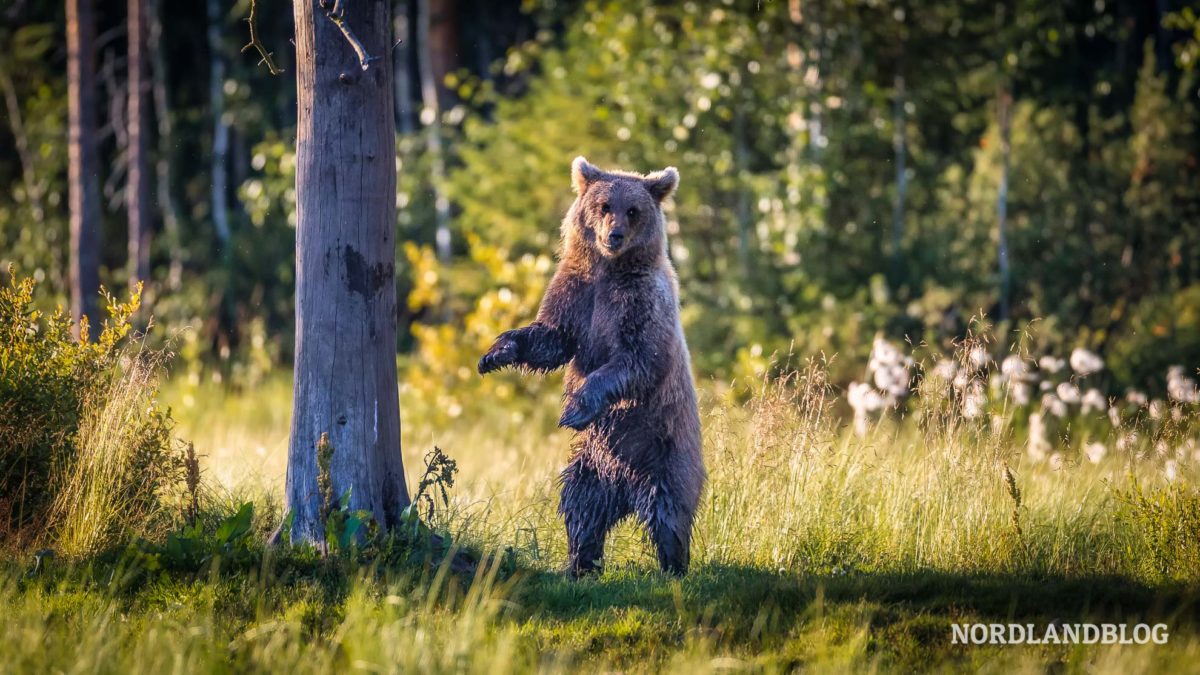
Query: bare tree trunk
[[162, 112], [900, 150], [402, 27], [137, 187], [442, 34], [744, 219], [220, 140], [1005, 114], [431, 115], [82, 174], [345, 365], [16, 123]]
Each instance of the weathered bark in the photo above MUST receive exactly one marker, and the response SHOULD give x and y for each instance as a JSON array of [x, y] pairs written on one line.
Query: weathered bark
[[220, 139], [162, 167], [345, 364], [432, 63], [82, 173], [137, 187]]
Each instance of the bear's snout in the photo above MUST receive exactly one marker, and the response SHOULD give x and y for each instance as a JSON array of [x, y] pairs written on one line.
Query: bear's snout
[[616, 238]]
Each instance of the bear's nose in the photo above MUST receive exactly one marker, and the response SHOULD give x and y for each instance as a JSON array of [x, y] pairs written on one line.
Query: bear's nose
[[615, 238]]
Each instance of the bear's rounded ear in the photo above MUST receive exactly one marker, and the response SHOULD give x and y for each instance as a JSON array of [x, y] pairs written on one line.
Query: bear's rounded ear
[[583, 174], [662, 184]]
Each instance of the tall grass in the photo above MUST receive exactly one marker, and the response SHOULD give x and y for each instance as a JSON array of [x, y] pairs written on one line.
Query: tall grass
[[816, 547], [124, 460]]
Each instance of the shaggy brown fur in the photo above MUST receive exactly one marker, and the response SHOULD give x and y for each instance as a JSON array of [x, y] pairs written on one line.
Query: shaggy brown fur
[[611, 315]]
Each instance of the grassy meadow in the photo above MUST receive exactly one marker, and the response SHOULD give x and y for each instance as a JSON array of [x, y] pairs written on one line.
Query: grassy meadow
[[818, 547]]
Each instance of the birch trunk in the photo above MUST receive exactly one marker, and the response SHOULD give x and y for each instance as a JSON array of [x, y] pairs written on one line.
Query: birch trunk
[[82, 174], [220, 141], [137, 187]]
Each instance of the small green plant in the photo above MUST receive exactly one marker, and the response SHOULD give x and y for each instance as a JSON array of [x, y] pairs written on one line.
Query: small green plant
[[342, 524], [436, 482], [1165, 522], [193, 549], [1014, 493]]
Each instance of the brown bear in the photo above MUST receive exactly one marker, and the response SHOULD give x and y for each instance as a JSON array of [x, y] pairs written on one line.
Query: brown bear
[[611, 316]]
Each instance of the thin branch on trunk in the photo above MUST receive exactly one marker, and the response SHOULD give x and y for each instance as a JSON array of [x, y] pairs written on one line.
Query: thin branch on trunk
[[257, 44], [335, 12]]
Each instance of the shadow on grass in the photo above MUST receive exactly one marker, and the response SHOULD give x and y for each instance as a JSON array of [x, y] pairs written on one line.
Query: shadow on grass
[[741, 594]]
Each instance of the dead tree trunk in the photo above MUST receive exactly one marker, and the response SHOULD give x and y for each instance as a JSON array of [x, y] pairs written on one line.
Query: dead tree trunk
[[432, 62], [220, 139], [900, 152], [401, 25], [82, 173], [137, 188], [345, 364], [162, 167], [1005, 114]]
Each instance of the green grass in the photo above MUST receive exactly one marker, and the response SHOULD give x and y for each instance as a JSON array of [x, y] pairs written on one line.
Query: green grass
[[815, 549]]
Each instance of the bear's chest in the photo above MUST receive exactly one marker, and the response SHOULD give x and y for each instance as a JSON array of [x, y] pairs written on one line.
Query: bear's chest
[[619, 310]]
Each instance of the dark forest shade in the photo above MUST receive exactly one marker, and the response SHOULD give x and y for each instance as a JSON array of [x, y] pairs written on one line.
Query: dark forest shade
[[83, 179], [345, 367]]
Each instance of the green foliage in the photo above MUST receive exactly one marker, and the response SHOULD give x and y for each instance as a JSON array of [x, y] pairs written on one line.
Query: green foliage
[[195, 548], [778, 229], [81, 435], [1165, 523]]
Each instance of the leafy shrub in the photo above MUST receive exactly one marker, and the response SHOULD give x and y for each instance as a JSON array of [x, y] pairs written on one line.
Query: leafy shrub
[[85, 451]]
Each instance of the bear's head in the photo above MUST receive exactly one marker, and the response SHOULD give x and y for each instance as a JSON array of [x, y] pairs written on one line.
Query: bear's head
[[617, 211]]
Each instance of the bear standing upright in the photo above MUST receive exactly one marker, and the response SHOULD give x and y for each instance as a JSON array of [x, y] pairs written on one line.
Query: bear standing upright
[[611, 315]]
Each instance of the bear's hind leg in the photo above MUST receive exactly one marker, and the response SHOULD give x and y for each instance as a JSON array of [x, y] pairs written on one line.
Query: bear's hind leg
[[670, 527], [590, 507]]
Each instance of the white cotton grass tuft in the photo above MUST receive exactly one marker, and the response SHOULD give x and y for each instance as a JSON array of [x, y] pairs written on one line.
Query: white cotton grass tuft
[[1180, 387], [978, 358], [1085, 362], [974, 400], [1093, 402], [1068, 393], [1051, 364], [1047, 388], [889, 375], [1038, 447], [1054, 405], [1014, 368]]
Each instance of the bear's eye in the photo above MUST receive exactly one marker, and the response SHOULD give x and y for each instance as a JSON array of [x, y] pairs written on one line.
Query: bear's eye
[[632, 213], [605, 208]]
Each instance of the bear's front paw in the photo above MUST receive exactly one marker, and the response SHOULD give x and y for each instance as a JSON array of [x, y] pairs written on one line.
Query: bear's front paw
[[503, 353], [579, 412]]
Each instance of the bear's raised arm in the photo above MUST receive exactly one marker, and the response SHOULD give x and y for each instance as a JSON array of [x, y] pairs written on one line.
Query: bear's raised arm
[[549, 342]]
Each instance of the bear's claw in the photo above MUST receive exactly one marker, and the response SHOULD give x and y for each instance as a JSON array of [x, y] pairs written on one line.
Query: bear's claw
[[503, 353], [578, 416]]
